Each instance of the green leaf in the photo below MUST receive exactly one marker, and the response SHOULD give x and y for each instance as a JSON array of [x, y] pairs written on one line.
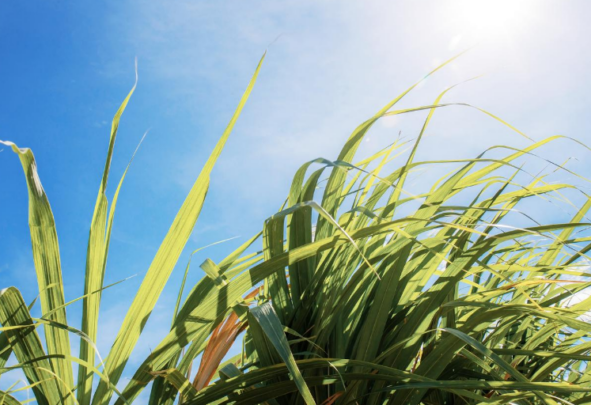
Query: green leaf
[[96, 260], [6, 399], [46, 256], [27, 347], [164, 262], [269, 322]]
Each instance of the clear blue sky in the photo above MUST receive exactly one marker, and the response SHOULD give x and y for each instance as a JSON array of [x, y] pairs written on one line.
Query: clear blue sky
[[66, 66]]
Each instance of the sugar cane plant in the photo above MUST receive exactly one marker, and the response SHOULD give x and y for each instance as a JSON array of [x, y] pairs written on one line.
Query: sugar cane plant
[[356, 292]]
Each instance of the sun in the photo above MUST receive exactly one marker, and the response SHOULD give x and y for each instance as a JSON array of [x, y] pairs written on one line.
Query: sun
[[485, 20]]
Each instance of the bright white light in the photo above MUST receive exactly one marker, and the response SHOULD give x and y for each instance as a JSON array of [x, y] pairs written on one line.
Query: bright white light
[[485, 20]]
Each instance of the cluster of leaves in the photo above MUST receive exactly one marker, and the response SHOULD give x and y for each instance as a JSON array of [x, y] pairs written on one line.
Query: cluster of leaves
[[374, 295]]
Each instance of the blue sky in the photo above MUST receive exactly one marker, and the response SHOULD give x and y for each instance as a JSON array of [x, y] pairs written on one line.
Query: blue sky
[[66, 66]]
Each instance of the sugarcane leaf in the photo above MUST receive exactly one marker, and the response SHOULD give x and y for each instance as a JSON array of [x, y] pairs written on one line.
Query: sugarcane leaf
[[269, 323], [164, 262]]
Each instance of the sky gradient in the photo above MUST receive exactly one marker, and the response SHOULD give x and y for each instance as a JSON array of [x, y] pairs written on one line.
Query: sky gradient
[[66, 66]]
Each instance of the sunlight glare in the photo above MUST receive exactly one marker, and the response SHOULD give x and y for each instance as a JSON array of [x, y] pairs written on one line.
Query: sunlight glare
[[484, 20]]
